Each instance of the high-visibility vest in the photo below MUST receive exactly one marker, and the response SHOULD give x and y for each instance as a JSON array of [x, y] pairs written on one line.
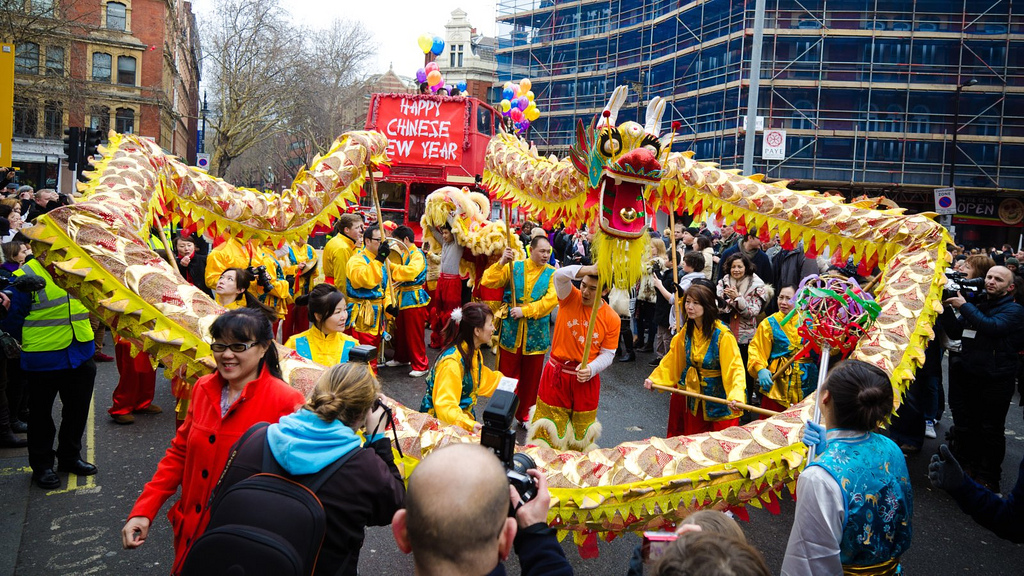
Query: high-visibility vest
[[55, 318]]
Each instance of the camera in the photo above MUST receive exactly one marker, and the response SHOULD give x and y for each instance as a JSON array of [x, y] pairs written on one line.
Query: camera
[[362, 354], [262, 278], [27, 284], [958, 282], [498, 435]]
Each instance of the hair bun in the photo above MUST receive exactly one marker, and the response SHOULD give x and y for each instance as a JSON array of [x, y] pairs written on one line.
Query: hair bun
[[302, 300]]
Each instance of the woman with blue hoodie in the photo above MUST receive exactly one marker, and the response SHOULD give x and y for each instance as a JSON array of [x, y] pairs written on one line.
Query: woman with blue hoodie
[[365, 491]]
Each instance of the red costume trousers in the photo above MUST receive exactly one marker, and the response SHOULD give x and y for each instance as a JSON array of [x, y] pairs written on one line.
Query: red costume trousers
[[449, 297], [527, 368], [369, 340], [769, 404], [410, 345], [682, 423], [559, 387], [296, 321], [137, 382]]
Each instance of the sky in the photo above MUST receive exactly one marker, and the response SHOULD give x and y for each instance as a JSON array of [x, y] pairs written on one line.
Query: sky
[[395, 24]]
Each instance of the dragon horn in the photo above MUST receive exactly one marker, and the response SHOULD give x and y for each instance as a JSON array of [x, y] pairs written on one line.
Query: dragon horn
[[655, 110], [614, 103]]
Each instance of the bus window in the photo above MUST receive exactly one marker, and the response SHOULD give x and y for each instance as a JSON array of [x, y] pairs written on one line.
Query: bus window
[[391, 194], [484, 121]]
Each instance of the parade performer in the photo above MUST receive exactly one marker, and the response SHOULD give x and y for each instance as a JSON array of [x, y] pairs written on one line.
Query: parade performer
[[273, 289], [525, 335], [703, 358], [325, 341], [136, 384], [459, 375], [775, 342], [413, 306], [854, 501], [367, 290], [566, 413], [449, 282], [300, 270], [339, 250]]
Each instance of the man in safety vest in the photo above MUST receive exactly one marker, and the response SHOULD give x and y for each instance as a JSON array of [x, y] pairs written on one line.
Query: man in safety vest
[[366, 289], [57, 356], [413, 306], [526, 330]]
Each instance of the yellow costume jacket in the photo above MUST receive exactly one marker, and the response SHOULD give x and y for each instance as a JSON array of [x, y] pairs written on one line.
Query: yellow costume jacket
[[716, 373], [451, 393], [324, 349], [535, 312], [233, 254], [300, 254], [366, 289], [337, 253], [773, 344], [409, 278]]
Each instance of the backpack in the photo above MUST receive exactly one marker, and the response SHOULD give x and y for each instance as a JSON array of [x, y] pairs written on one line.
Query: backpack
[[271, 523]]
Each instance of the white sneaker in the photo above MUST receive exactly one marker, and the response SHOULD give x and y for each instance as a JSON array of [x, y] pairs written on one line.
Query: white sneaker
[[418, 373], [393, 363], [929, 429]]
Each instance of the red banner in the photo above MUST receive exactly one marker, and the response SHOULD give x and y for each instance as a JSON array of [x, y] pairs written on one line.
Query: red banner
[[422, 130]]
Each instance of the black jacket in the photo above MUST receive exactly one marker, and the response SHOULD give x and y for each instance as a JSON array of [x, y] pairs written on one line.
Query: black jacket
[[195, 272], [991, 349], [539, 553], [365, 491]]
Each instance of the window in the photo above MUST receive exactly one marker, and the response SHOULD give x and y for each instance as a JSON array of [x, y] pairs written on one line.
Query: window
[[53, 120], [456, 56], [54, 61], [99, 119], [26, 58], [126, 70], [124, 121], [25, 121], [42, 8], [101, 67], [117, 16]]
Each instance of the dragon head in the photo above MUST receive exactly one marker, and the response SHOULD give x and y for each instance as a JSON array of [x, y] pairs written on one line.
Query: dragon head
[[621, 163]]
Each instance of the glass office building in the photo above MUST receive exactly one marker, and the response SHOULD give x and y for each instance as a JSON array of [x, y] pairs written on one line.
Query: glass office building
[[866, 90]]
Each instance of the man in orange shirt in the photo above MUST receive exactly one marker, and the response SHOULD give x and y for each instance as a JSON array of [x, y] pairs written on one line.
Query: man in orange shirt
[[566, 412]]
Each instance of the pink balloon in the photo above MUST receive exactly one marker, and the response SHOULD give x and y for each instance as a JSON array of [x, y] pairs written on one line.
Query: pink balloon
[[431, 67], [516, 114]]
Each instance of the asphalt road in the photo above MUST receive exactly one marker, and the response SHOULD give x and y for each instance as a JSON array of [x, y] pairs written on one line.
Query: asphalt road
[[76, 530]]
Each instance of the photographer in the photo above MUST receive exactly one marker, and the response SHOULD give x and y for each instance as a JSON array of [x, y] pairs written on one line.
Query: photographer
[[269, 286], [981, 375], [457, 523]]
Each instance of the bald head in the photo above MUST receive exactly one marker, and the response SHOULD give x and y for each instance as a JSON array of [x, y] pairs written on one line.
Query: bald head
[[456, 511], [998, 281]]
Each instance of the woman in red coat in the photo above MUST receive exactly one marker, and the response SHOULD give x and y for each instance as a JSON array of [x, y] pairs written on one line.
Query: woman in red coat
[[246, 389]]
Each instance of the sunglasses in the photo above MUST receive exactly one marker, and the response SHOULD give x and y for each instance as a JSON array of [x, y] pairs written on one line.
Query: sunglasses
[[236, 347]]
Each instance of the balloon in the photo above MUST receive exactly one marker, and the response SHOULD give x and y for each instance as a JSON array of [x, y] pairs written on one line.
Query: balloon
[[438, 46], [506, 105], [434, 78], [507, 86], [425, 42], [529, 95], [525, 124], [461, 86], [507, 94], [421, 75], [431, 66], [517, 115], [525, 85], [515, 90], [524, 103], [532, 113]]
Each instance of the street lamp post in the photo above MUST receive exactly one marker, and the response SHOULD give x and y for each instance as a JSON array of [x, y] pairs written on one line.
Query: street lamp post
[[956, 127], [203, 112]]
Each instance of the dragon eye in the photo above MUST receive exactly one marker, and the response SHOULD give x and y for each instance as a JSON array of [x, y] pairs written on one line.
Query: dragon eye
[[651, 143], [611, 143]]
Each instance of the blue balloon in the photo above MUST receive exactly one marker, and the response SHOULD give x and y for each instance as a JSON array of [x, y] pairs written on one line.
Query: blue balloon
[[508, 94], [461, 86], [438, 46]]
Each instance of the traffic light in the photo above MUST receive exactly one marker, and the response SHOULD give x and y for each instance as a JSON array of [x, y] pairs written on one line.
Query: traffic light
[[72, 139], [90, 142]]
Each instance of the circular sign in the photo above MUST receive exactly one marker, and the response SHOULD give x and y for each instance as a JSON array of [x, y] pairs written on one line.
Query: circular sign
[[1011, 211], [774, 138], [202, 163], [945, 202]]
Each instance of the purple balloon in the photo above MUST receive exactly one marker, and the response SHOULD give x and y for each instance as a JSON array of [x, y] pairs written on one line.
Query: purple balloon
[[525, 124], [524, 102], [421, 75]]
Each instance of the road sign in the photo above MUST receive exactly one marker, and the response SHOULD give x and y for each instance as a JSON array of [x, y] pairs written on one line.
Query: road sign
[[203, 161], [945, 200], [774, 145]]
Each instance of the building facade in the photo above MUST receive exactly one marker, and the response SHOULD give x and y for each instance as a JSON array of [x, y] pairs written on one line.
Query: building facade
[[867, 90], [468, 57], [131, 66]]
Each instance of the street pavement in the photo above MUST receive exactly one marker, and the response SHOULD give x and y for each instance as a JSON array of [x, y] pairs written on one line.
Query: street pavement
[[76, 529]]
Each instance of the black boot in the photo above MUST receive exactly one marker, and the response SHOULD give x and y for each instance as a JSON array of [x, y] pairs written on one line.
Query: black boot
[[8, 438]]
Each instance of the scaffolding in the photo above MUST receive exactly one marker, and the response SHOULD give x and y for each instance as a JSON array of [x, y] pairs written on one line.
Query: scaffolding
[[865, 89]]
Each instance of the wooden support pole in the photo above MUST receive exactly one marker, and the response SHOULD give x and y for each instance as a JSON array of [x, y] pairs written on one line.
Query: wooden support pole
[[677, 307], [706, 398]]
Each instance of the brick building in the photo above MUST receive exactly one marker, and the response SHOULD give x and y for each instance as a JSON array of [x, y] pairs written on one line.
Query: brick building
[[126, 65]]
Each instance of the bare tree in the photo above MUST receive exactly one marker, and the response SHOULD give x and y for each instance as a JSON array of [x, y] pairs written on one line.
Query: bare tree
[[252, 64]]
